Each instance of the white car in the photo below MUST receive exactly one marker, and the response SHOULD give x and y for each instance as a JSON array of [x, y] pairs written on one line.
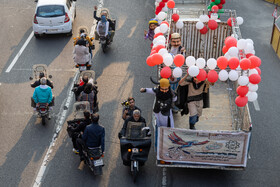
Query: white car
[[54, 17]]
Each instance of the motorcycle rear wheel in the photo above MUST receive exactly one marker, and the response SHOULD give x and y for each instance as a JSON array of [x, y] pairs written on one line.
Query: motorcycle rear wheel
[[44, 120], [97, 170]]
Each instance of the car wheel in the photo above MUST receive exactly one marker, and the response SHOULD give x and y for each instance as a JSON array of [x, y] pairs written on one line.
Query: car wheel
[[37, 36], [69, 33]]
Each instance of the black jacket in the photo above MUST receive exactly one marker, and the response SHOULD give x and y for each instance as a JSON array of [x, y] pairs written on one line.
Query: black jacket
[[94, 136], [82, 126], [38, 83], [123, 131]]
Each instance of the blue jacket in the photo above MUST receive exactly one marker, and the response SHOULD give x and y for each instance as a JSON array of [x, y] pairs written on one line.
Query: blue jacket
[[42, 94], [94, 136]]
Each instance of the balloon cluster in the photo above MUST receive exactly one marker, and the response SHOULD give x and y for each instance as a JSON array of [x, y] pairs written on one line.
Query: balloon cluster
[[212, 24], [163, 5], [239, 21], [216, 6]]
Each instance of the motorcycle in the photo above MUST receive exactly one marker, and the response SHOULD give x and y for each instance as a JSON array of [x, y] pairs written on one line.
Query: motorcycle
[[105, 42], [135, 146], [93, 155], [83, 67], [42, 109]]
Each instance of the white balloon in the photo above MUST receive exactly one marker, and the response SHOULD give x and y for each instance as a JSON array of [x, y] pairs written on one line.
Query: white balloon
[[193, 71], [160, 42], [223, 75], [177, 72], [167, 59], [165, 8], [199, 25], [161, 38], [249, 41], [253, 52], [163, 28], [179, 24], [162, 51], [252, 96], [243, 80], [239, 20], [211, 63], [214, 16], [253, 87], [233, 75], [161, 16], [233, 52], [190, 61], [204, 18], [157, 30], [227, 55], [155, 40], [241, 44], [253, 71], [249, 47], [200, 63], [156, 4]]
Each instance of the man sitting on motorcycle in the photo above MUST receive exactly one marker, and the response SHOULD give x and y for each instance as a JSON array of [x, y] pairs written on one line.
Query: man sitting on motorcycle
[[43, 93], [84, 36], [38, 82], [136, 117], [81, 53], [111, 26], [94, 136], [77, 90]]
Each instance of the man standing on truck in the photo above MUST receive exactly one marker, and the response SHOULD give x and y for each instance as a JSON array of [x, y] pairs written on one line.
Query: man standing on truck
[[194, 97]]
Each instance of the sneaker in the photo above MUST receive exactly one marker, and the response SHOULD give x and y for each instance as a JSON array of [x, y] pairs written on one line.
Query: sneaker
[[75, 151]]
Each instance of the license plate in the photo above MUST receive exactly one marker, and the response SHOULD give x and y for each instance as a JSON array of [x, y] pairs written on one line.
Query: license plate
[[98, 162], [51, 30], [83, 68], [135, 150]]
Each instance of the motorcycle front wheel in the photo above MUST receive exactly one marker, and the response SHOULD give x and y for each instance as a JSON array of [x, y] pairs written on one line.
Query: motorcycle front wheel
[[134, 174], [104, 48]]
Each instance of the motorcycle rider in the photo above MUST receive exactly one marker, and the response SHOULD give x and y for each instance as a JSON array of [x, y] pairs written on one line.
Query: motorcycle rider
[[43, 94], [77, 90], [128, 111], [81, 53], [80, 128], [38, 83], [84, 36], [136, 117], [93, 136], [104, 12]]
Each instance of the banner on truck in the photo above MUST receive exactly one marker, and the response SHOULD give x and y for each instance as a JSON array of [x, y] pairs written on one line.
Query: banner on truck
[[203, 147]]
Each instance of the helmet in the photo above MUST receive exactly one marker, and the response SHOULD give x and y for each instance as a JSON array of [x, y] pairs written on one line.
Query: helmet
[[154, 21]]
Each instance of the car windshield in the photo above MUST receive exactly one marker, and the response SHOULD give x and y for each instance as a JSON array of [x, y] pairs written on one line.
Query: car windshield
[[50, 11]]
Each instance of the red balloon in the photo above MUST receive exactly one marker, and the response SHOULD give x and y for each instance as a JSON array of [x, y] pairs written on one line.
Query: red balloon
[[164, 1], [212, 0], [158, 34], [202, 75], [223, 2], [241, 101], [158, 9], [220, 6], [255, 61], [259, 70], [212, 76], [233, 62], [212, 24], [165, 23], [245, 64], [175, 17], [255, 78], [157, 48], [149, 61], [153, 52], [204, 30], [215, 8], [170, 4], [230, 42], [229, 22], [161, 4], [157, 59], [179, 60], [165, 72], [225, 49], [242, 90], [249, 54], [222, 62]]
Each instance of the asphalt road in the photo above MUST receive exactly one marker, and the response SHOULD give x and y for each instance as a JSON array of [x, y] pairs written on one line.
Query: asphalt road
[[120, 73]]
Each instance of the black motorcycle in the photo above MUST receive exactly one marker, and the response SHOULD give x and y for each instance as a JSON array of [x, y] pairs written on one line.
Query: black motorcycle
[[94, 159], [105, 42], [135, 146], [43, 112]]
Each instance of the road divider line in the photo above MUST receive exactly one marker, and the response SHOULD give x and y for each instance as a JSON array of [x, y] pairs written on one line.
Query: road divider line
[[20, 52], [164, 179], [59, 123], [256, 105]]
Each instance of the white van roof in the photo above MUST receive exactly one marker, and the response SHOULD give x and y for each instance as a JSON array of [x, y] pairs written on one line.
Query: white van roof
[[51, 2]]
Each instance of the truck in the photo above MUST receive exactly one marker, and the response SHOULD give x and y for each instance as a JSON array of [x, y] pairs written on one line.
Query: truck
[[222, 136]]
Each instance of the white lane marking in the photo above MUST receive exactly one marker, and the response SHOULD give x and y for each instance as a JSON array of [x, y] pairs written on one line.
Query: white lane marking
[[164, 178], [256, 105], [20, 52], [60, 121]]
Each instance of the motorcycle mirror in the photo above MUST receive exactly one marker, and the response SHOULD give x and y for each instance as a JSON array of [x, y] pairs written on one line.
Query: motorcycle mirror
[[50, 76], [95, 82], [31, 78]]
